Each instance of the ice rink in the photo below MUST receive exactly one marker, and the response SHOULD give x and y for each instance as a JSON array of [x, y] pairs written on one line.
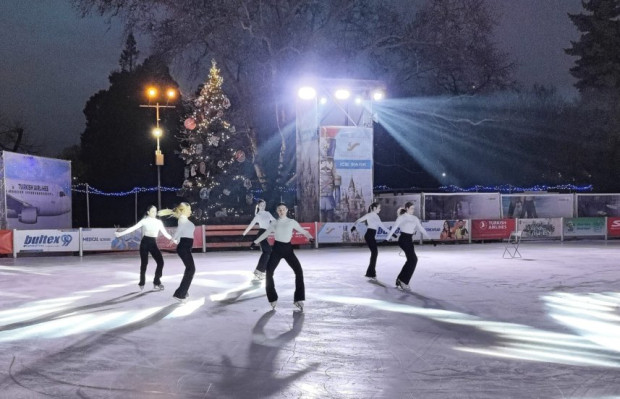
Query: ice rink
[[475, 326]]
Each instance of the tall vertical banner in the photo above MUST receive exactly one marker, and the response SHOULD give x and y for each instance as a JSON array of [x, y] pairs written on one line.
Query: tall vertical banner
[[307, 154], [345, 173], [36, 192]]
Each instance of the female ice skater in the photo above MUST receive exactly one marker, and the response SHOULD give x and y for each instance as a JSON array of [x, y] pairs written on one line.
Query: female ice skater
[[409, 224], [184, 238], [283, 228], [263, 218], [374, 222], [151, 227]]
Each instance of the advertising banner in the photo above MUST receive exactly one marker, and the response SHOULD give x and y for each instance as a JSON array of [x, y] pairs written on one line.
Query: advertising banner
[[345, 172], [613, 227], [537, 206], [6, 242], [47, 240], [447, 230], [37, 192], [540, 228], [580, 227], [598, 205], [100, 240], [391, 202], [492, 229], [307, 154], [332, 233], [461, 206]]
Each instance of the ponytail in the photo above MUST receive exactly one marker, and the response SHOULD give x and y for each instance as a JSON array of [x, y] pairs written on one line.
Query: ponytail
[[404, 208], [373, 206], [256, 210], [176, 212]]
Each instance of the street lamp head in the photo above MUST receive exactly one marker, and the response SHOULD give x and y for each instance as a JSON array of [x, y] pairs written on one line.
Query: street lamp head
[[171, 94], [157, 132], [151, 92]]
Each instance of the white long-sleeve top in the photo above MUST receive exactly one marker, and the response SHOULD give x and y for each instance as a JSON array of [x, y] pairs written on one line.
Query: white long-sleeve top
[[263, 218], [151, 227], [409, 224], [185, 228], [283, 230], [373, 221]]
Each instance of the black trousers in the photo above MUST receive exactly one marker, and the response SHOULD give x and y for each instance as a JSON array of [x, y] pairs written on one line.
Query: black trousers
[[265, 253], [369, 237], [284, 250], [184, 250], [406, 244], [149, 245]]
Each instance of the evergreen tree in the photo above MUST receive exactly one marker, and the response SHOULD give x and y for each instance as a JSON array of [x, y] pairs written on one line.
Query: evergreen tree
[[598, 68], [210, 147], [129, 56]]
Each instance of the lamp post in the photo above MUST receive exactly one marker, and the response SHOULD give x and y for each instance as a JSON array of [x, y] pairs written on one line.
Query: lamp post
[[153, 94]]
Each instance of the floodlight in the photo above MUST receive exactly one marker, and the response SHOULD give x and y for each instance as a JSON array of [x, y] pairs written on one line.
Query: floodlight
[[378, 95], [306, 93], [342, 94]]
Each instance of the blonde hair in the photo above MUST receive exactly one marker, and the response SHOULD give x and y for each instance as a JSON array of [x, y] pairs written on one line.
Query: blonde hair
[[176, 212]]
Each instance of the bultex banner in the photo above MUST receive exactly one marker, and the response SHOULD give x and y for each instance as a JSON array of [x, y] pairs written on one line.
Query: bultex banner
[[47, 240]]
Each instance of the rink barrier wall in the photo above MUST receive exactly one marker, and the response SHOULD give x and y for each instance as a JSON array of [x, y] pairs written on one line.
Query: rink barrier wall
[[231, 236]]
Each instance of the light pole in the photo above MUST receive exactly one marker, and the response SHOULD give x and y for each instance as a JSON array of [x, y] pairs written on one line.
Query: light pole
[[153, 94]]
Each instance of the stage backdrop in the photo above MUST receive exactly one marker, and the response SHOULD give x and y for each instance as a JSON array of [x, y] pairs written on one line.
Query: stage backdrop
[[597, 205], [461, 206], [35, 192], [517, 206]]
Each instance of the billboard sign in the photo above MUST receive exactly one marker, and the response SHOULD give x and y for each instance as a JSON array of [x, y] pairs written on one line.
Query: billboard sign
[[37, 192]]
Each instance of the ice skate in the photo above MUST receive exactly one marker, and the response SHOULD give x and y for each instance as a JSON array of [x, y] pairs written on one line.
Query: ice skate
[[402, 286], [258, 275], [158, 287], [299, 304], [273, 305]]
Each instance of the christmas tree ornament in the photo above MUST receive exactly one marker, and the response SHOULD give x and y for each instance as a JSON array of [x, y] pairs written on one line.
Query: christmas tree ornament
[[203, 168], [240, 156], [226, 191], [190, 123], [204, 193], [247, 183]]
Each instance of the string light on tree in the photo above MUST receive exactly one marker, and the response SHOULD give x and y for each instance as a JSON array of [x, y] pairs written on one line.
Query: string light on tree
[[211, 150]]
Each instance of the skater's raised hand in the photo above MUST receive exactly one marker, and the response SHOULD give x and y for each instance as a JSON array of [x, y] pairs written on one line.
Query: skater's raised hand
[[252, 245], [353, 229]]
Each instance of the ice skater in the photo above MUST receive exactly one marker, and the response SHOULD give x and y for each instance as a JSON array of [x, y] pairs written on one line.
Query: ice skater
[[263, 218], [151, 227], [184, 238], [374, 222], [283, 229], [409, 224]]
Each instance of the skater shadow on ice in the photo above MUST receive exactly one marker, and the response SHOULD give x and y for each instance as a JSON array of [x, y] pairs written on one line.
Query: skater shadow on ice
[[50, 310], [243, 292], [41, 376], [593, 317], [263, 376]]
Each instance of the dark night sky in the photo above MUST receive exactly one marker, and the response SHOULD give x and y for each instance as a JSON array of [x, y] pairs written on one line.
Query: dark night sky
[[52, 61]]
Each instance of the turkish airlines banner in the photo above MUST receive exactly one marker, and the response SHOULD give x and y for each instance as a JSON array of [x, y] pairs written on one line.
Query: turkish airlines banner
[[492, 229], [613, 227], [580, 227], [47, 240], [540, 228]]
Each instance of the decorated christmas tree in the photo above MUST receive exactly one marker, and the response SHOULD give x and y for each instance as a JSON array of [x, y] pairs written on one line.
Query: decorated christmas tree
[[214, 183]]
